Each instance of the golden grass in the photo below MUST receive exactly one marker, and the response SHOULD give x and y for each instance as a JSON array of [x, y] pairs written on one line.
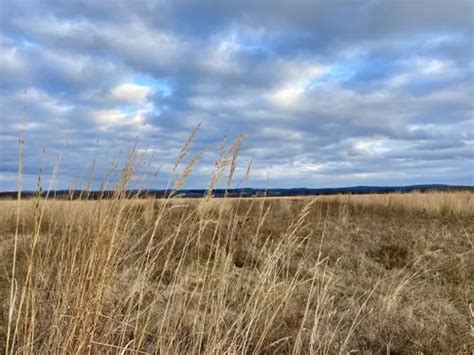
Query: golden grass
[[458, 203], [367, 274]]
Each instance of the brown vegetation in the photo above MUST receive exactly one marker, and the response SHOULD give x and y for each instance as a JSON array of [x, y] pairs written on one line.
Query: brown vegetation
[[303, 275], [360, 274]]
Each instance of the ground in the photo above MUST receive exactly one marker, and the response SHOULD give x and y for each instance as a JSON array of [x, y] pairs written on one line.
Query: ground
[[368, 274]]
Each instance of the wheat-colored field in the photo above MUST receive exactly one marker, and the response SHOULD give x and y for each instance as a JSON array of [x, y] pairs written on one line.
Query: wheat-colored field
[[367, 274]]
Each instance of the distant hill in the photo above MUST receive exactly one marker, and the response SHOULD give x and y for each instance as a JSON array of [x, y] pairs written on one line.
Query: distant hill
[[248, 192]]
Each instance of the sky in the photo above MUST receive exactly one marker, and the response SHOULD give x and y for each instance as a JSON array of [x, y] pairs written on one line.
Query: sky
[[327, 93]]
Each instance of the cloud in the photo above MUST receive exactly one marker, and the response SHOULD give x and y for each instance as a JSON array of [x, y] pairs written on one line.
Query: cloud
[[328, 93], [111, 118], [130, 93]]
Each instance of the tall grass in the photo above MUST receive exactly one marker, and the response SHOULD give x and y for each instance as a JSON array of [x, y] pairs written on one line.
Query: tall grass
[[437, 203], [173, 276]]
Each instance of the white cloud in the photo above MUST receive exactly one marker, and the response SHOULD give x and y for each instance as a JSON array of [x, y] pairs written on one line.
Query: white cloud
[[418, 69], [110, 118], [372, 146], [297, 76], [130, 93], [434, 66], [11, 61]]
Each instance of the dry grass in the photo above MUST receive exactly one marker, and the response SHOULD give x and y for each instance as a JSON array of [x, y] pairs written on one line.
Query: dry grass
[[436, 203], [367, 274]]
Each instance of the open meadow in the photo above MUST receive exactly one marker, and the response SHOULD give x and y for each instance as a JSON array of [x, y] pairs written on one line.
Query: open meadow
[[368, 274], [237, 177]]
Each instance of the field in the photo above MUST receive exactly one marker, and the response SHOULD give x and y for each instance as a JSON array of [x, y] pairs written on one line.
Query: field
[[368, 274]]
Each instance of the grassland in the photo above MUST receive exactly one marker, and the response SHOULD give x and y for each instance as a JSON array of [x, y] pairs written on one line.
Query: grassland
[[367, 274], [373, 274]]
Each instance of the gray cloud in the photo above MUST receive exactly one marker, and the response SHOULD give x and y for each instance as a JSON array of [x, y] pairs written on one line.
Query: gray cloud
[[328, 93]]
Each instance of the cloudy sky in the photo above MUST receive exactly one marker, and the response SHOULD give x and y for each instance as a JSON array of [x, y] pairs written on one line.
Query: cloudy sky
[[328, 93]]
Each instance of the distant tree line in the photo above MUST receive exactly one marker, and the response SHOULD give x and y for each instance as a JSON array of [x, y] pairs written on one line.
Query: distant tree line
[[241, 192]]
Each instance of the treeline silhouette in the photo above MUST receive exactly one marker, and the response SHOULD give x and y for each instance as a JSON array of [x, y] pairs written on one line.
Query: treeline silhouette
[[238, 192]]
